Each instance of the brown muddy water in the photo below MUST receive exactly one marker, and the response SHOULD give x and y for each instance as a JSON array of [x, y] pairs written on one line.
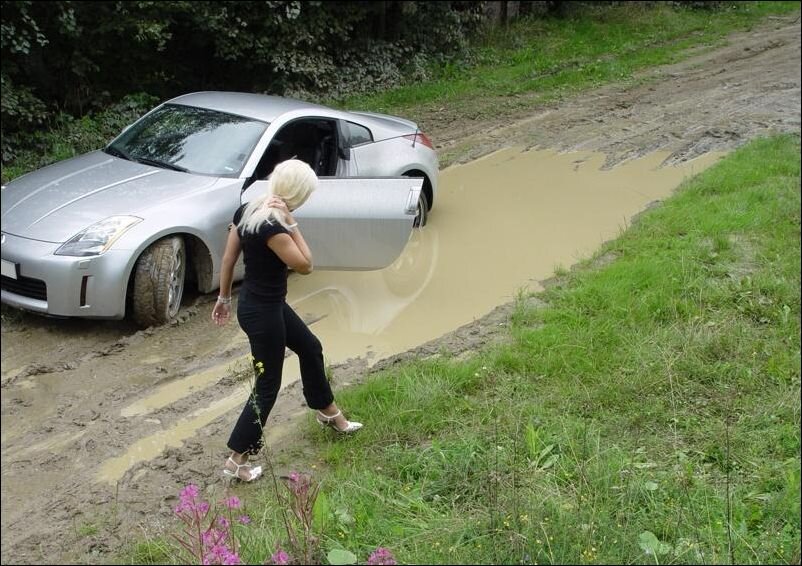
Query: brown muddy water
[[500, 224]]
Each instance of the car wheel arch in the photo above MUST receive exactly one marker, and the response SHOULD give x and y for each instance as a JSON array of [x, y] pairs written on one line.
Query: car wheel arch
[[199, 263], [200, 266], [427, 184]]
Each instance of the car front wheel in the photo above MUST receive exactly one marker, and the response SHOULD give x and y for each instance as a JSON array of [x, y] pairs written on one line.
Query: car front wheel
[[159, 282]]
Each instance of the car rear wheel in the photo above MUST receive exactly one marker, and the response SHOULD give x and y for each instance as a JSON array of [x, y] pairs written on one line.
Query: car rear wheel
[[159, 282], [423, 211]]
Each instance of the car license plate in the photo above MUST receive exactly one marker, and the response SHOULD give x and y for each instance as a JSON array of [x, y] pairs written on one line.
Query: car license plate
[[9, 269]]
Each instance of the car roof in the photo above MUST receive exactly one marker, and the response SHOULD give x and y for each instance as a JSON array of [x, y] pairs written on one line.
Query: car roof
[[260, 106]]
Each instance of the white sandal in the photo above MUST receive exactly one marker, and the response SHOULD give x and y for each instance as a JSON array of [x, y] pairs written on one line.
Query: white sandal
[[255, 473], [325, 420]]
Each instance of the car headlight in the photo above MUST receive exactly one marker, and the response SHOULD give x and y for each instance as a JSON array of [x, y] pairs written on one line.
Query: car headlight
[[98, 237]]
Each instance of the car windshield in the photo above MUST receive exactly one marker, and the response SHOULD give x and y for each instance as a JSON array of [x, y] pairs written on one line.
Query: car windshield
[[196, 140]]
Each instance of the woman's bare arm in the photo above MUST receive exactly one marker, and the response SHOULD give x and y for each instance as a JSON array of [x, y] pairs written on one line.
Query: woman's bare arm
[[291, 248], [230, 257], [293, 251], [221, 313]]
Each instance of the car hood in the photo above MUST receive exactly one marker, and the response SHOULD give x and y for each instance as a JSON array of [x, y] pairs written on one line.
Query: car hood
[[55, 203]]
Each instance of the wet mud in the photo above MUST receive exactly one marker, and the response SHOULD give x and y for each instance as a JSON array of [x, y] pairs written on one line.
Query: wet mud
[[102, 423]]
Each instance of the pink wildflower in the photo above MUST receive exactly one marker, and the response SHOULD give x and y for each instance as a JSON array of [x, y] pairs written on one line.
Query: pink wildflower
[[232, 558], [221, 554], [218, 550], [279, 557], [187, 496], [212, 537], [244, 519], [233, 502], [202, 507], [381, 556], [189, 492], [299, 483], [223, 522]]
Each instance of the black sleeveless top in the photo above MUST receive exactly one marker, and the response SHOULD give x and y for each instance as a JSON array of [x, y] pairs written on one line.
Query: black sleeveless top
[[265, 273]]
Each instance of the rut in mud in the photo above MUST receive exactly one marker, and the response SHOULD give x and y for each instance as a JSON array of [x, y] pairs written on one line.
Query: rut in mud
[[102, 423]]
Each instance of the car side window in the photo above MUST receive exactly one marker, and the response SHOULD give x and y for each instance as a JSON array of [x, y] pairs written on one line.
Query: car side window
[[312, 140], [358, 135]]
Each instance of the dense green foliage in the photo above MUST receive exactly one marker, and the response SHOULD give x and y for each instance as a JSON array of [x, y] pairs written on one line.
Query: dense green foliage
[[74, 57], [501, 72]]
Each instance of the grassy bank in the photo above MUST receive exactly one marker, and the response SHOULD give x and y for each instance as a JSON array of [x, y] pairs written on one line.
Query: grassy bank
[[645, 408], [504, 73], [535, 60], [650, 402]]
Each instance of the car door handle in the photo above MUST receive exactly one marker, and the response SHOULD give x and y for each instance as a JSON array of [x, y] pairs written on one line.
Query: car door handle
[[412, 201]]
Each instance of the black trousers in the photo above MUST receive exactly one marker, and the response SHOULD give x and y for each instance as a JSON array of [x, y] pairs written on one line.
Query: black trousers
[[270, 327]]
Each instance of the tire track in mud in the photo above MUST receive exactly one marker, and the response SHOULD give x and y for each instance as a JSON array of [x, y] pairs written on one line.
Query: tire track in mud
[[715, 101], [76, 430], [79, 433], [65, 384], [74, 354]]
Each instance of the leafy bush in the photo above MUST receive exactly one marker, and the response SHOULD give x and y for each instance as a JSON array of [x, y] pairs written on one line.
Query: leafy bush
[[21, 110], [69, 136], [66, 58]]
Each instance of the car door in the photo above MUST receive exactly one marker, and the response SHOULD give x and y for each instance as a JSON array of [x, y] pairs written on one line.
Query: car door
[[357, 223]]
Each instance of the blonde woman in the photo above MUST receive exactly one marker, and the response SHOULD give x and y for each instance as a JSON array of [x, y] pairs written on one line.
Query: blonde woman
[[268, 236]]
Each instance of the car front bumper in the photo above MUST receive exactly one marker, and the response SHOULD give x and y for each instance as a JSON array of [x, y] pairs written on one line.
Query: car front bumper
[[35, 279]]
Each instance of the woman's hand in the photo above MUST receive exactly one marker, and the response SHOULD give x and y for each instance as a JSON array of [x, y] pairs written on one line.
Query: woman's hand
[[278, 203], [221, 313]]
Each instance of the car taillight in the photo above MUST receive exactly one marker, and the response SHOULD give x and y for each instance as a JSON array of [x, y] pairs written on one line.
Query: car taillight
[[420, 137]]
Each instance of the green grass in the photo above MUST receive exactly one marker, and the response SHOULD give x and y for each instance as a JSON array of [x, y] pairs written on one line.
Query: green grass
[[536, 60], [648, 402], [153, 551], [87, 530]]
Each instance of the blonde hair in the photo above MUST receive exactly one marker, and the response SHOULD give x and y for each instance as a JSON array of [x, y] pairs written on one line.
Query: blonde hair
[[293, 181]]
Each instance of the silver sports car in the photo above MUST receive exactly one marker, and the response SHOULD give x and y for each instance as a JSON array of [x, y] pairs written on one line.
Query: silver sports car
[[126, 229]]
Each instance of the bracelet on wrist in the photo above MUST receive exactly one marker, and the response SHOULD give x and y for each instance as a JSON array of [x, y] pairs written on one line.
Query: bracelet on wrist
[[223, 300], [292, 226]]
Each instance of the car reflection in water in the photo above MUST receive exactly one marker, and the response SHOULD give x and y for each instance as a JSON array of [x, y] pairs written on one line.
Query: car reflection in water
[[356, 308]]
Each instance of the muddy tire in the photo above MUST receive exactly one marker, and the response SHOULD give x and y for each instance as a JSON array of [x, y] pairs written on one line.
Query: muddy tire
[[423, 211], [159, 282]]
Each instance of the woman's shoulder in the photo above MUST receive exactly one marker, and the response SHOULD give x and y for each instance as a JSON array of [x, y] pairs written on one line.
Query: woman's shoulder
[[271, 228]]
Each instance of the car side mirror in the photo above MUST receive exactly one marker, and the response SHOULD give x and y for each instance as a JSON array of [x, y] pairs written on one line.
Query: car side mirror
[[344, 153]]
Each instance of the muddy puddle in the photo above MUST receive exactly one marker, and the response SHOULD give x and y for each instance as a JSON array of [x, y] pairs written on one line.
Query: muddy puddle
[[108, 415], [500, 224]]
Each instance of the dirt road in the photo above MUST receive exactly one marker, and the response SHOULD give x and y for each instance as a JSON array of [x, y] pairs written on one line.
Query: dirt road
[[102, 423]]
